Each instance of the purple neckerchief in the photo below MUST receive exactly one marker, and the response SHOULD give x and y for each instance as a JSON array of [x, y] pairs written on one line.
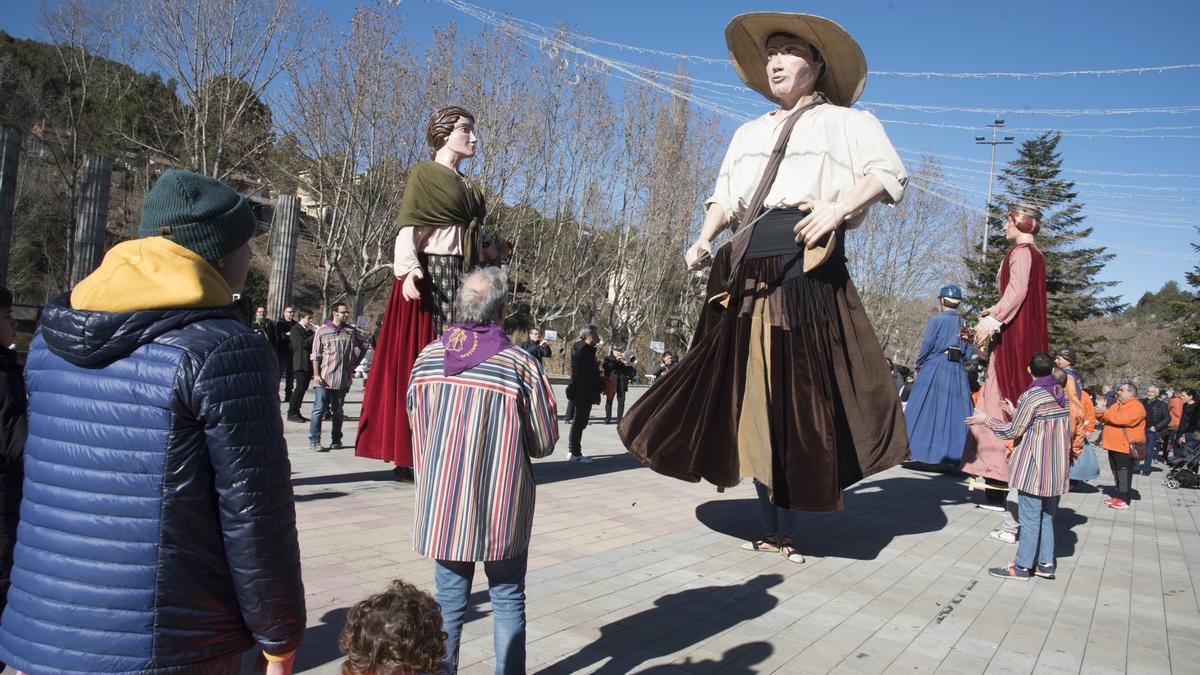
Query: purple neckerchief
[[470, 344], [1051, 385], [336, 328]]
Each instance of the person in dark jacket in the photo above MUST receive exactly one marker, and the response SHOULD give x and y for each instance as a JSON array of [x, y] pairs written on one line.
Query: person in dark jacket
[[570, 412], [619, 371], [1157, 417], [584, 389], [264, 327], [536, 347], [301, 338], [159, 527], [13, 429], [283, 349], [1188, 435]]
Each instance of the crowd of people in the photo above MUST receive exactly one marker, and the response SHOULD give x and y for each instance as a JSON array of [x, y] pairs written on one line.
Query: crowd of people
[[158, 529]]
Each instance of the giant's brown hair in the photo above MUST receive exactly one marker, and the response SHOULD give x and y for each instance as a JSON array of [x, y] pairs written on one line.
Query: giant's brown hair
[[397, 631], [441, 123]]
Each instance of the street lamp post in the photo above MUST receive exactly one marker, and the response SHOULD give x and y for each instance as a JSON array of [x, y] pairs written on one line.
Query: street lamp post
[[987, 207]]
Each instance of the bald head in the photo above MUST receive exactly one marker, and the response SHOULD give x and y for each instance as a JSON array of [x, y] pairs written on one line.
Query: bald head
[[482, 296]]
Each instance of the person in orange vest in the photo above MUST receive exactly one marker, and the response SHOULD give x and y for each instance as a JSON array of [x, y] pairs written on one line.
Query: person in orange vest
[[1124, 423]]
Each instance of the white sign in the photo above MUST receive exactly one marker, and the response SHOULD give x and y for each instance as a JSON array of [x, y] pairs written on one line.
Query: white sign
[[551, 335], [362, 322], [657, 347]]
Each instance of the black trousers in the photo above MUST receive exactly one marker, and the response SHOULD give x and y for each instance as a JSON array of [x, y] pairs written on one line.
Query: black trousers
[[620, 396], [1122, 469], [286, 372], [578, 422], [303, 378], [996, 497]]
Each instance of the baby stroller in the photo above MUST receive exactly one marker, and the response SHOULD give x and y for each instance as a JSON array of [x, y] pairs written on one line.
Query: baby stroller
[[1184, 471]]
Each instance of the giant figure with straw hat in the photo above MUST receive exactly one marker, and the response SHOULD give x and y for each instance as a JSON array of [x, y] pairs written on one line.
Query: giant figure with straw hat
[[1011, 332], [790, 387]]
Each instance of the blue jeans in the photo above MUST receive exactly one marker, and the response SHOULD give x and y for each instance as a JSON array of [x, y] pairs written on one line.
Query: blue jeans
[[771, 514], [1151, 441], [506, 586], [326, 403], [1037, 529]]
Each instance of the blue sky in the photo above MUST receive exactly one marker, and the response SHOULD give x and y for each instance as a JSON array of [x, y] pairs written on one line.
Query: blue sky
[[1147, 219]]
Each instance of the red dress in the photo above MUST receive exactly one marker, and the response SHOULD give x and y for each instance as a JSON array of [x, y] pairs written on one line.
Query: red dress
[[1022, 311], [383, 429], [1026, 334]]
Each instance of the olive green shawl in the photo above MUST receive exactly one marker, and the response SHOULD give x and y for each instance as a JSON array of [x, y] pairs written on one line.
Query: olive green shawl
[[435, 196]]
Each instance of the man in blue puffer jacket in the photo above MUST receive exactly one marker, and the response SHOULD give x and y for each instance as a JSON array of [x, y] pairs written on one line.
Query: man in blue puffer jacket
[[158, 529]]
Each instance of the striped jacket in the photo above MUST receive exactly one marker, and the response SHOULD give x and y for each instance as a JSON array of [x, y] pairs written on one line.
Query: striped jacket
[[1040, 464], [473, 435]]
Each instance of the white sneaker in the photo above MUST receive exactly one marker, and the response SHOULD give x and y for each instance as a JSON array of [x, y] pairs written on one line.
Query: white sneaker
[[581, 459], [1004, 536]]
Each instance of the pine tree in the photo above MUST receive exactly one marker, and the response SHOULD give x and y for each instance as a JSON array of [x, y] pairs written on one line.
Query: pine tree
[[1073, 291], [1183, 354]]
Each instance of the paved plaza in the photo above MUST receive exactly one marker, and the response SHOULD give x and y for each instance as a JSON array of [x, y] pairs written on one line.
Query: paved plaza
[[632, 572]]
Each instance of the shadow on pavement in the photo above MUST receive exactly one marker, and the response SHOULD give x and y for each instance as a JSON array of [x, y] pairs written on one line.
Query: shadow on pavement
[[384, 476], [675, 623], [317, 496], [874, 514], [555, 471], [736, 661], [319, 645]]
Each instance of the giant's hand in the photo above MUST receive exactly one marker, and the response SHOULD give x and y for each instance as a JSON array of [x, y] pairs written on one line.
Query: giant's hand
[[982, 335], [823, 218], [410, 290], [694, 252]]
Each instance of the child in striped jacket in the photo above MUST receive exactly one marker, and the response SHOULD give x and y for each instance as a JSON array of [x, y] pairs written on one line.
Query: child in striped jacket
[[1039, 467]]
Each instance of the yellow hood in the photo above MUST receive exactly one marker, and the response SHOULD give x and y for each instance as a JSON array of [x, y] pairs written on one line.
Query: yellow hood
[[151, 273]]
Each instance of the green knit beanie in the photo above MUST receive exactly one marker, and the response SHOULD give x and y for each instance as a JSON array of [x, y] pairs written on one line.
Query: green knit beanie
[[199, 213]]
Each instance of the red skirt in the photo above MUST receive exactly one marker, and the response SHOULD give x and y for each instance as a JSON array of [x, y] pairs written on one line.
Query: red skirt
[[383, 429]]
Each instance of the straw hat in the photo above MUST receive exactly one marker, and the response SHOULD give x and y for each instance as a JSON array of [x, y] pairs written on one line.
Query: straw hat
[[845, 66]]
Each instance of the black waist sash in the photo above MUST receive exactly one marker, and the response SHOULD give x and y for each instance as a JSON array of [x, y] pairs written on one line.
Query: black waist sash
[[774, 235]]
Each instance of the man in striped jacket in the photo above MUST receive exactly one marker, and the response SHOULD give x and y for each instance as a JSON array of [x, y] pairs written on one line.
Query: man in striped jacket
[[480, 408], [1039, 467]]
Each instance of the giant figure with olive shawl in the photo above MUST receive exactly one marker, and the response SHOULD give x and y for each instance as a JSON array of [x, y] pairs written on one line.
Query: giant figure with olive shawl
[[439, 239]]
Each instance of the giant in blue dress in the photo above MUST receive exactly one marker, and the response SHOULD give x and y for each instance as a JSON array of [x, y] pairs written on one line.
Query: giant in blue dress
[[941, 397]]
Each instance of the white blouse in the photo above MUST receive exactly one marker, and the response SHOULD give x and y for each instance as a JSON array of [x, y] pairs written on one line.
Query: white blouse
[[830, 150]]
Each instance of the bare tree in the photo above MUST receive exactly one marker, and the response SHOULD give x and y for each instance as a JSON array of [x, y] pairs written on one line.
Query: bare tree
[[224, 56], [901, 254], [77, 117], [349, 112]]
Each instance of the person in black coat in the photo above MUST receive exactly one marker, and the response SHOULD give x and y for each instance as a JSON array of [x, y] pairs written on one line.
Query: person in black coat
[[584, 389], [1157, 418], [300, 337], [618, 369], [536, 347], [1189, 424], [13, 429], [283, 348]]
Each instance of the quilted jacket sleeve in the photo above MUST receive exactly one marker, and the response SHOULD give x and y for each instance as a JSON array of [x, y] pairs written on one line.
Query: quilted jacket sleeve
[[237, 389]]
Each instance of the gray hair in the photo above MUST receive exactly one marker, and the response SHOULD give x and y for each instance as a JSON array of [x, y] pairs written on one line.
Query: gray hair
[[482, 296], [587, 330]]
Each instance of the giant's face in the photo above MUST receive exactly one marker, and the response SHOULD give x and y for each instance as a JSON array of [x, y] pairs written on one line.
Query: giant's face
[[462, 140], [792, 70]]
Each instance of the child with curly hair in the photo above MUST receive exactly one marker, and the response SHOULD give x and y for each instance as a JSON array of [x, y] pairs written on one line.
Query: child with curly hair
[[397, 632]]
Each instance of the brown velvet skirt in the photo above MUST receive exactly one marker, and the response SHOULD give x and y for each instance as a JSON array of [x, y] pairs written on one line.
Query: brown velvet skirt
[[788, 386]]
